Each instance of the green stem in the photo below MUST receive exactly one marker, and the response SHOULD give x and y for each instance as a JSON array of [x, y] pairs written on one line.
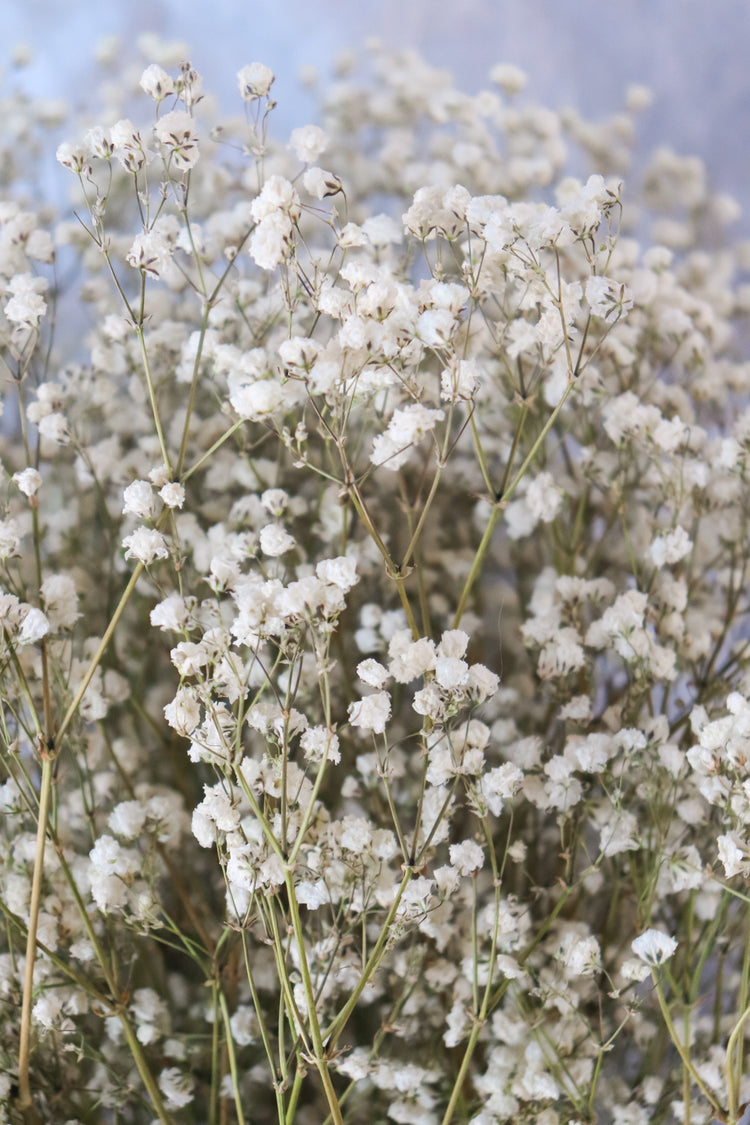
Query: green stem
[[680, 1046], [319, 1051], [476, 566], [508, 492], [291, 1108], [96, 658], [152, 399], [24, 1051], [463, 1069], [337, 1025], [232, 1058]]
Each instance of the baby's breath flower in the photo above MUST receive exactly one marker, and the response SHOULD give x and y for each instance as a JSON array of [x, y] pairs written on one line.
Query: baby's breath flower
[[299, 352], [28, 481], [177, 1087], [308, 142], [10, 538], [460, 382], [408, 426], [35, 626], [254, 400], [188, 658], [372, 673], [145, 544], [511, 79], [372, 712], [173, 494], [183, 713], [173, 613], [138, 500], [320, 742], [177, 132], [255, 81], [26, 306], [341, 572], [127, 819], [71, 156], [733, 854], [671, 548], [275, 540], [156, 83], [654, 947], [98, 143], [467, 857], [128, 145], [151, 252], [606, 298], [321, 184], [60, 601]]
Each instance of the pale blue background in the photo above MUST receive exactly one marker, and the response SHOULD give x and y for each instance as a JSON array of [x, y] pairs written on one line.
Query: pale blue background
[[694, 54]]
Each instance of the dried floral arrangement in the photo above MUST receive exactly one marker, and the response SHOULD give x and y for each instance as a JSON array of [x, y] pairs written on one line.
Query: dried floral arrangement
[[374, 550]]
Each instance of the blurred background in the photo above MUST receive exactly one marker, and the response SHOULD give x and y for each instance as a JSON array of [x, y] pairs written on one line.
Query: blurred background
[[693, 54]]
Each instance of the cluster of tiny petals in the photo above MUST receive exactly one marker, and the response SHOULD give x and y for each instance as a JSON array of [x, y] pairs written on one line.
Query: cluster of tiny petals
[[255, 81]]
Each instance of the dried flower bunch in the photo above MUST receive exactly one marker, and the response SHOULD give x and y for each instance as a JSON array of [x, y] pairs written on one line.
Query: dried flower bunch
[[376, 703]]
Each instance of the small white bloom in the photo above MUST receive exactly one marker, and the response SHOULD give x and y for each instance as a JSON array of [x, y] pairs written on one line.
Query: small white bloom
[[28, 481], [150, 251], [607, 298], [178, 134], [452, 674], [176, 1087], [173, 494], [257, 400], [372, 673], [156, 83], [26, 307], [510, 78], [320, 742], [127, 819], [138, 500], [145, 545], [128, 145], [275, 540], [356, 833], [733, 855], [98, 143], [372, 712], [172, 613], [313, 895], [255, 81], [10, 537], [188, 658], [341, 572], [278, 196], [654, 947], [54, 427], [321, 184], [35, 626], [298, 352], [308, 142], [70, 156], [460, 381], [670, 548], [467, 857], [183, 713], [60, 601], [407, 426]]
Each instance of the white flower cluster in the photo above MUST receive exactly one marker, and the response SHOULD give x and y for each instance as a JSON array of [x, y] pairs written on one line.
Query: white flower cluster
[[374, 602]]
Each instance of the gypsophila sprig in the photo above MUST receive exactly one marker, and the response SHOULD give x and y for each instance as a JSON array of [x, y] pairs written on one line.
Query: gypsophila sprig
[[376, 701]]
